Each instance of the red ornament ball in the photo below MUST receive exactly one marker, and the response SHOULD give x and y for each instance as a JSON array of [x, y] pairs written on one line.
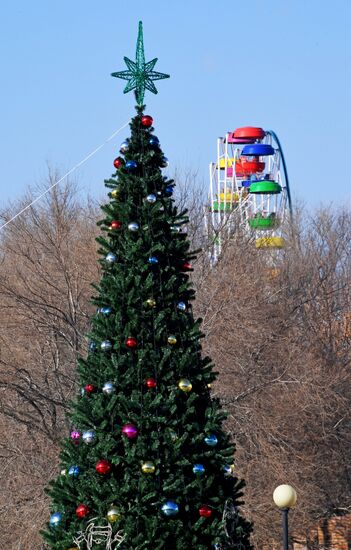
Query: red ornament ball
[[205, 511], [89, 389], [82, 511], [118, 162], [131, 342], [115, 224], [147, 121], [187, 266], [103, 467], [151, 383]]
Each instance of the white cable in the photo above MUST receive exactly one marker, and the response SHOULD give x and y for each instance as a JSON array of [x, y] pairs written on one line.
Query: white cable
[[66, 175]]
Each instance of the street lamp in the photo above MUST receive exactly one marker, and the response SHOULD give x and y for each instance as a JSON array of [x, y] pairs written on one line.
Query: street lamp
[[284, 497]]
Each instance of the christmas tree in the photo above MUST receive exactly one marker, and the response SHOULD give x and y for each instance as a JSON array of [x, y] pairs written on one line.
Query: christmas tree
[[147, 464]]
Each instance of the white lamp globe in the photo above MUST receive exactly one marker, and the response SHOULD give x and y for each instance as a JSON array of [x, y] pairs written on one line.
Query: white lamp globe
[[284, 496]]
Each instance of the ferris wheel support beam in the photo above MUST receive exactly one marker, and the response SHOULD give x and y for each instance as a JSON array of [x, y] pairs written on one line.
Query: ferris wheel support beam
[[275, 137]]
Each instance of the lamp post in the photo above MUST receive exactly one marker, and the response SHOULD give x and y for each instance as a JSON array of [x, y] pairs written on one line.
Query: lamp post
[[284, 497]]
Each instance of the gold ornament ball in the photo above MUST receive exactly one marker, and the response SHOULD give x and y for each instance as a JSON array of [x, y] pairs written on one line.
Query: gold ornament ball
[[115, 193], [113, 515], [148, 467], [185, 385], [150, 302], [172, 340]]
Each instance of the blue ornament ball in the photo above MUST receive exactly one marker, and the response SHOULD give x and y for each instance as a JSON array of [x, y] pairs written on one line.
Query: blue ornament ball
[[170, 508], [153, 260], [211, 440], [108, 388], [131, 164], [106, 345], [88, 436], [181, 306], [105, 310], [164, 162], [55, 519], [151, 198], [199, 469], [168, 191], [154, 141], [111, 258], [74, 471], [124, 147]]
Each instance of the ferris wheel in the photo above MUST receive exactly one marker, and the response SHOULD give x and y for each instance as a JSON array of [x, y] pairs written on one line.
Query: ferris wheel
[[249, 190]]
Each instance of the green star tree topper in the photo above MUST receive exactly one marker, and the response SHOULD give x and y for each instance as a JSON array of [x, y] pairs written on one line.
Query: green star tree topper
[[140, 75], [147, 464]]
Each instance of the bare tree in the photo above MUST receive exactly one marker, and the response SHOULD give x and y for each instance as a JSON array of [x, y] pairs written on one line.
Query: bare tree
[[280, 339], [46, 269]]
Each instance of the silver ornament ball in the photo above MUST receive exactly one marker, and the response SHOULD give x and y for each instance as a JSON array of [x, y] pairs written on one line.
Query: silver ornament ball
[[151, 198], [124, 146], [108, 388], [88, 436], [111, 258], [106, 345], [133, 226]]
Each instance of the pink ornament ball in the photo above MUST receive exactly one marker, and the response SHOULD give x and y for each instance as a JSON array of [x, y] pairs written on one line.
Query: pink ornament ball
[[75, 436], [130, 431]]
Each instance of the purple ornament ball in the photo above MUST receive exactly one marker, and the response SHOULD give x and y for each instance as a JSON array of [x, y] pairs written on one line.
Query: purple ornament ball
[[75, 436], [130, 431]]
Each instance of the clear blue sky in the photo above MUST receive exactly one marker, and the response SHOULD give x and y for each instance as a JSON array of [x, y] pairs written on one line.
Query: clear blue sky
[[279, 64]]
